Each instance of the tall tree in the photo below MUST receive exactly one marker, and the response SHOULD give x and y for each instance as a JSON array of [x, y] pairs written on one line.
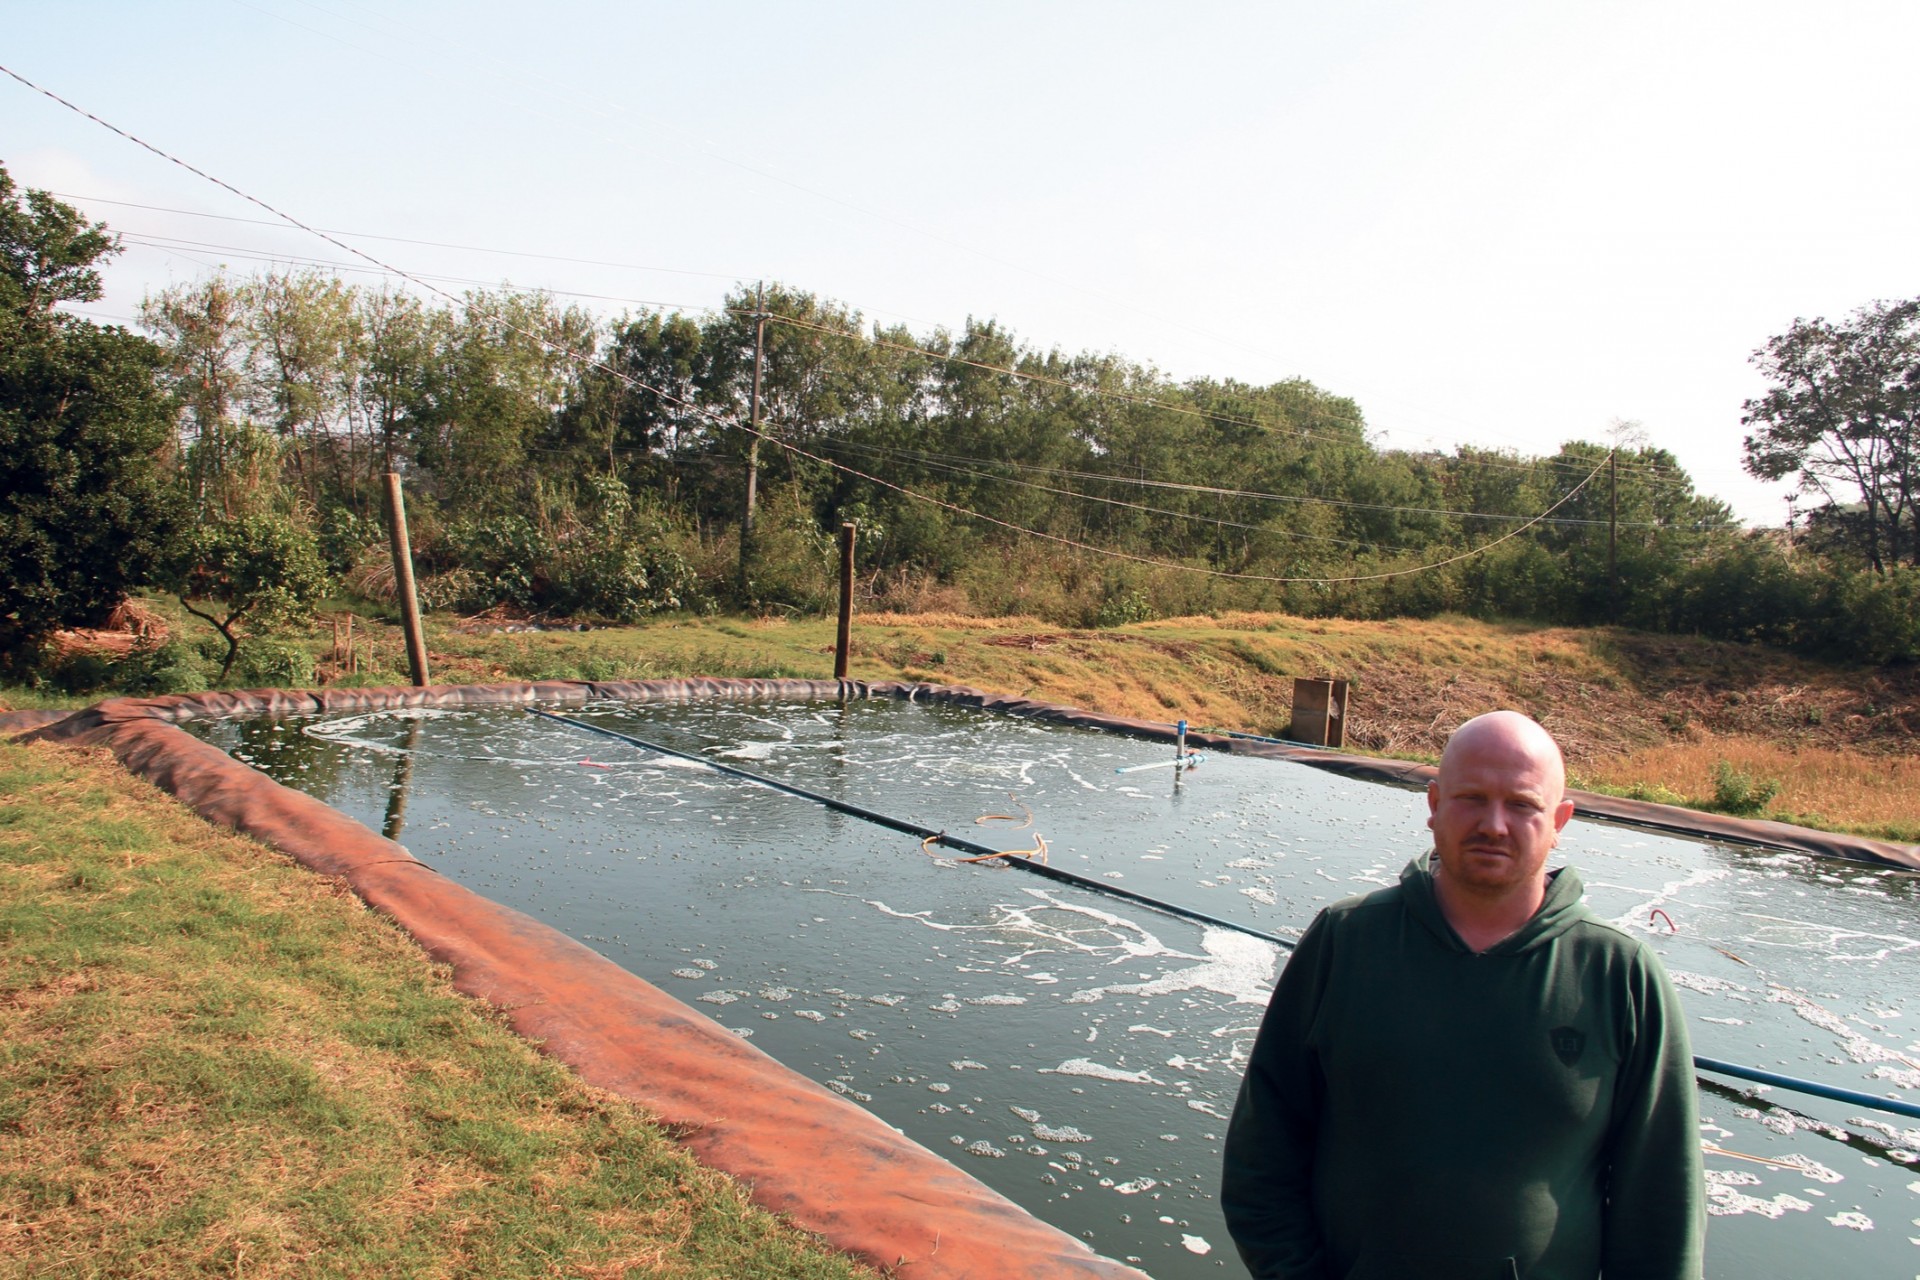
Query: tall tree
[[85, 509], [1843, 416], [204, 329]]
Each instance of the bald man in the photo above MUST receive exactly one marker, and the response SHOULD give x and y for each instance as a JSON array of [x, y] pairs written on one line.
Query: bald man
[[1468, 1076]]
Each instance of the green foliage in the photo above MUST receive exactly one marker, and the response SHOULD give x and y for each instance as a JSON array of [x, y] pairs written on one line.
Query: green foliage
[[508, 558], [1844, 410], [1739, 793], [86, 513], [262, 568], [273, 663], [1875, 616], [345, 536], [1121, 606], [174, 667], [623, 565]]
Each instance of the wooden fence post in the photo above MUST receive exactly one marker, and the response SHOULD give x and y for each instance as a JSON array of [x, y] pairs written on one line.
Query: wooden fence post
[[403, 580], [844, 642]]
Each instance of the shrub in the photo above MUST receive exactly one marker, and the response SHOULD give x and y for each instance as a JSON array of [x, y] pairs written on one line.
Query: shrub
[[1738, 792], [273, 663]]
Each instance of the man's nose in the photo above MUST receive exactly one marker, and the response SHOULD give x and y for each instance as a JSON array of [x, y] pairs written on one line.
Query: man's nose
[[1494, 819]]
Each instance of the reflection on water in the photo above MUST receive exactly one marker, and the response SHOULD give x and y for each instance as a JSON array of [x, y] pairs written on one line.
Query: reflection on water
[[1078, 1053]]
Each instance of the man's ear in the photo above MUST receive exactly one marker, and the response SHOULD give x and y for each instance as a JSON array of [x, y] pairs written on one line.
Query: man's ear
[[1433, 800], [1561, 813]]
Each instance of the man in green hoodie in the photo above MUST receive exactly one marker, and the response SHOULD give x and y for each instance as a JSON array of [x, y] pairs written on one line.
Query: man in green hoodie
[[1468, 1076]]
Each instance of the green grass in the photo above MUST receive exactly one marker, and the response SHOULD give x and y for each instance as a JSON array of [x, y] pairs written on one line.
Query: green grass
[[212, 1061]]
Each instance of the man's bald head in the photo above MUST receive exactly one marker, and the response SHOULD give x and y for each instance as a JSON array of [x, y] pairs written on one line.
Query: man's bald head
[[1511, 736]]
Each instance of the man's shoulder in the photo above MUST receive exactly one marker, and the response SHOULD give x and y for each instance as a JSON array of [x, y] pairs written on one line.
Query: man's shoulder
[[1364, 908], [1611, 943]]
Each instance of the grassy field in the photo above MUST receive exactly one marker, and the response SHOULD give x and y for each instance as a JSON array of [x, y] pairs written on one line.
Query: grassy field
[[214, 1063]]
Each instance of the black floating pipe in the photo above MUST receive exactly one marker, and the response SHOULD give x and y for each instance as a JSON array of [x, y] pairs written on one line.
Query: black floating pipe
[[928, 833], [1811, 1087]]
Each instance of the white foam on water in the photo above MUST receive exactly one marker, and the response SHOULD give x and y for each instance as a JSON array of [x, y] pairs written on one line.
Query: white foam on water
[[996, 1000], [1026, 1113], [745, 751], [1205, 1108], [1098, 1071], [1135, 1187], [1705, 984], [1237, 966], [1853, 1220], [718, 997], [1196, 1244], [1856, 1046], [1060, 1133], [1903, 1137], [1725, 1202], [967, 1064], [688, 973], [1638, 918], [811, 1015], [1826, 940], [985, 1149]]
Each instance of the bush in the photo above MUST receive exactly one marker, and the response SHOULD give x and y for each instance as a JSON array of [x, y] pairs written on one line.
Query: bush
[[273, 663], [1739, 793], [1122, 606], [510, 561]]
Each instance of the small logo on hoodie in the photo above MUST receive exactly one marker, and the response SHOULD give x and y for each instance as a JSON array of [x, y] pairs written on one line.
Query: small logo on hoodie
[[1567, 1043]]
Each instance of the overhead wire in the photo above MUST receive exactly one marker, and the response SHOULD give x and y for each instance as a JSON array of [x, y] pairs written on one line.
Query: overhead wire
[[1113, 477]]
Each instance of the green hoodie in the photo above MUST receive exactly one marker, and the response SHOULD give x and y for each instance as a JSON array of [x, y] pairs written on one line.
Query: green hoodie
[[1413, 1110]]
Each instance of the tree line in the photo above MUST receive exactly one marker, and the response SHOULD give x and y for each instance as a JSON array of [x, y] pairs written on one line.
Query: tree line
[[558, 464]]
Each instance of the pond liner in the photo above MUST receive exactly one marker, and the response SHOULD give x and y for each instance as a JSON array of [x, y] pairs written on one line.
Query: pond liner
[[830, 1166]]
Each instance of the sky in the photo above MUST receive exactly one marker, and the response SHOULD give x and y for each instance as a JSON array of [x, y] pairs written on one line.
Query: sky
[[1507, 225]]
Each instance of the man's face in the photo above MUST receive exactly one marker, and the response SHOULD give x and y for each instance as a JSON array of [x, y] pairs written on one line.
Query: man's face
[[1496, 811]]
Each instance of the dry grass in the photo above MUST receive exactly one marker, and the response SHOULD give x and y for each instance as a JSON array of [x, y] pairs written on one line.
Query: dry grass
[[214, 1062], [1879, 796]]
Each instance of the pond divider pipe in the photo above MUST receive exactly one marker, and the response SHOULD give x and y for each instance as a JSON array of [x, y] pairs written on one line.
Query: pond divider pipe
[[1812, 1088], [928, 833], [1891, 1105]]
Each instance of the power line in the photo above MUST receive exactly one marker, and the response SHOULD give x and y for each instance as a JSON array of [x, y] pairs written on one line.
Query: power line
[[432, 244], [1110, 477], [170, 243]]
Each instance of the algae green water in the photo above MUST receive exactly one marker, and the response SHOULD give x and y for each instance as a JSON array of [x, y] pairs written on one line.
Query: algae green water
[[1079, 1053]]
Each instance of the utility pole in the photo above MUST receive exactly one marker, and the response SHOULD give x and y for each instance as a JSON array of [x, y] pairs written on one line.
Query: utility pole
[[1613, 529], [753, 443]]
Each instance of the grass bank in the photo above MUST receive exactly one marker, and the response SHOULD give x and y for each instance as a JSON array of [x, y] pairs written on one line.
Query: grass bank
[[213, 1062]]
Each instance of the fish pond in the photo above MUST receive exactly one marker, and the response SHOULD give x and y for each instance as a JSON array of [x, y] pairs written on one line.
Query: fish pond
[[1078, 1052]]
